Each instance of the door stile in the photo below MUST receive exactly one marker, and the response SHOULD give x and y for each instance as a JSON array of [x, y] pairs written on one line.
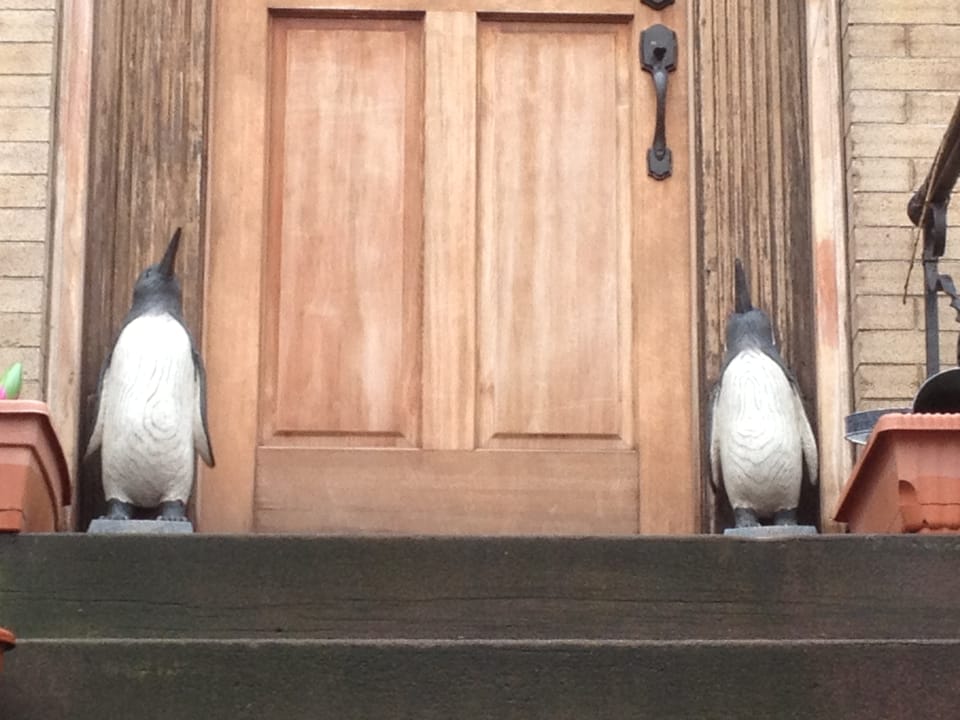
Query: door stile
[[450, 230], [235, 234], [668, 430]]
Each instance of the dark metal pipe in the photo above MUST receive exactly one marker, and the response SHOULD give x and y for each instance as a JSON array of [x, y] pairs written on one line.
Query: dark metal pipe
[[927, 209], [931, 318], [943, 172]]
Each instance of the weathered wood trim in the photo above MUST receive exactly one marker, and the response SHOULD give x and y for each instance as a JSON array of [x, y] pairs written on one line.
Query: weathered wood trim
[[225, 493], [631, 588], [68, 225], [430, 680], [828, 236], [753, 198], [146, 175], [450, 272], [667, 386]]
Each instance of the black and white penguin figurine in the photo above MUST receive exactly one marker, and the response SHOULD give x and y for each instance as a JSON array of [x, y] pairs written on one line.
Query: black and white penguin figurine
[[152, 407], [760, 438]]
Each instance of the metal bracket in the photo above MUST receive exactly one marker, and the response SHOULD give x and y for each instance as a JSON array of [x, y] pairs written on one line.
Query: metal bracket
[[934, 245], [658, 56]]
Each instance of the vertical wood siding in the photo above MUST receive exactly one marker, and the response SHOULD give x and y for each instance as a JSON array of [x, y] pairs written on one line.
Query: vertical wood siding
[[146, 171], [754, 180]]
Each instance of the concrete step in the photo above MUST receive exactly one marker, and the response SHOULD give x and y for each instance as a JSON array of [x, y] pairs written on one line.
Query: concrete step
[[637, 589], [467, 628], [473, 680]]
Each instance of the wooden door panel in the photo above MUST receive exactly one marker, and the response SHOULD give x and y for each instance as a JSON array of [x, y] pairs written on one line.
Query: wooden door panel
[[555, 233], [442, 233], [446, 492], [342, 324]]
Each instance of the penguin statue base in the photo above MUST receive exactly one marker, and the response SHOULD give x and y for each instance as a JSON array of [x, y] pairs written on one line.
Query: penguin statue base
[[105, 526], [771, 532], [173, 510]]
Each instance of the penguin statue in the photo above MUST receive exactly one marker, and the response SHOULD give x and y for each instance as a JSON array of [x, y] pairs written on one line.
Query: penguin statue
[[151, 418], [760, 438]]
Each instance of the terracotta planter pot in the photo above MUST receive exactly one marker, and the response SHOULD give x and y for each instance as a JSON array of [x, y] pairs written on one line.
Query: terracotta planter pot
[[7, 642], [34, 481], [908, 478]]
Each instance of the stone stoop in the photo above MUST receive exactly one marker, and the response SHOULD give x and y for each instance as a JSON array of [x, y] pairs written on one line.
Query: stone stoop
[[462, 628]]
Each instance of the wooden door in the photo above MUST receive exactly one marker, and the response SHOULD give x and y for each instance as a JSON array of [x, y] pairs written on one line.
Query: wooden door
[[443, 295]]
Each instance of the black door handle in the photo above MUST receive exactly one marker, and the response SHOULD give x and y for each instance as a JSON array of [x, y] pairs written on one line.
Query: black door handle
[[658, 55]]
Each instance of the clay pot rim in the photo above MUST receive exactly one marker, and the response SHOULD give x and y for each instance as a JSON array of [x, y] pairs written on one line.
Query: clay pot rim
[[39, 411], [32, 407], [887, 425], [915, 421]]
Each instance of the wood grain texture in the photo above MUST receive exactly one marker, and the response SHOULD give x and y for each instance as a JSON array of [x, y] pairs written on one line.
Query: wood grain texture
[[561, 214], [236, 230], [342, 306], [638, 589], [100, 311], [751, 138], [446, 492], [450, 221], [148, 99], [829, 240], [65, 368], [576, 7], [566, 680], [554, 234], [665, 297]]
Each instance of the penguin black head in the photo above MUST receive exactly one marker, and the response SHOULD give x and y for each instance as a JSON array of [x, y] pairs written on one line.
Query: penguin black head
[[748, 327], [157, 287]]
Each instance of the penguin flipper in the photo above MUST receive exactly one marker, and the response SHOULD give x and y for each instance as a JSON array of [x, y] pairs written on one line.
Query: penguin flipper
[[96, 436], [715, 478], [808, 443], [201, 435]]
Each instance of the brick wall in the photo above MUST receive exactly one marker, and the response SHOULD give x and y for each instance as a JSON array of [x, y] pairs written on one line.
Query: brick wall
[[901, 79], [27, 32], [901, 83]]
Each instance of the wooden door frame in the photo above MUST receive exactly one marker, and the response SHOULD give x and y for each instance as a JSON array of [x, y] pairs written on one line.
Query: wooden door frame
[[828, 242], [68, 228], [828, 201]]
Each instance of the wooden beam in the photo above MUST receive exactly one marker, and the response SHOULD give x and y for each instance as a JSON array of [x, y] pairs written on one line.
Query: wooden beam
[[146, 174], [753, 179], [667, 380], [828, 236], [892, 587], [68, 241], [225, 493], [509, 680]]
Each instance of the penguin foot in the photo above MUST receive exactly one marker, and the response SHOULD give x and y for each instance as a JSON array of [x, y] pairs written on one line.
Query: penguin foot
[[785, 517], [745, 517], [173, 510], [119, 510]]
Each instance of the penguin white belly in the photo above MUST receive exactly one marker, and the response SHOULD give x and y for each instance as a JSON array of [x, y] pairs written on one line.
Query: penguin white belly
[[150, 396], [760, 450]]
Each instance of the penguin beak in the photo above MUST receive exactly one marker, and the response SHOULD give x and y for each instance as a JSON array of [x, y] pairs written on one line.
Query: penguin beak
[[741, 292], [170, 256]]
